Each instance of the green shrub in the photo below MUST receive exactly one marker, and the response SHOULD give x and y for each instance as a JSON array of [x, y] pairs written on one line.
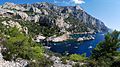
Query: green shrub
[[106, 53], [77, 57], [21, 45]]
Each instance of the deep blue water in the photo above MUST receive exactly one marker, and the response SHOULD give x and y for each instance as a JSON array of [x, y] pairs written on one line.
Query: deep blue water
[[73, 47]]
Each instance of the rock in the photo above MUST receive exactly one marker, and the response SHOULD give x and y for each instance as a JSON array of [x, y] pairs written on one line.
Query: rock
[[4, 63], [58, 63], [6, 13], [9, 5], [44, 12], [36, 18], [1, 56], [22, 62], [60, 22], [54, 58], [39, 38], [12, 24], [64, 37], [22, 15], [25, 29], [90, 37], [34, 9]]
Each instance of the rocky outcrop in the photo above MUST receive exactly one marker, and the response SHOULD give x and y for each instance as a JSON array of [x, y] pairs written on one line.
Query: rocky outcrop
[[11, 23], [34, 9], [85, 38], [22, 15], [9, 5], [57, 62], [64, 37]]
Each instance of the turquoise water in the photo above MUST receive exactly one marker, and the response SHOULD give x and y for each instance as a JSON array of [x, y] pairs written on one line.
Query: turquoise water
[[73, 47]]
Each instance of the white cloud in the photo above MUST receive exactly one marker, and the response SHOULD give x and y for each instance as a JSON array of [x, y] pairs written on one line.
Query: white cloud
[[69, 2], [62, 2], [78, 1]]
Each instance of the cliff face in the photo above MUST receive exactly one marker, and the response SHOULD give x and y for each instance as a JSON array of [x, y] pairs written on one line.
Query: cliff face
[[64, 18]]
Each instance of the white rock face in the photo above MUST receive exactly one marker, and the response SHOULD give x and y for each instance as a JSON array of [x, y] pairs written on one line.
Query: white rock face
[[45, 12], [60, 22], [8, 5], [34, 9], [22, 15], [6, 12], [36, 18]]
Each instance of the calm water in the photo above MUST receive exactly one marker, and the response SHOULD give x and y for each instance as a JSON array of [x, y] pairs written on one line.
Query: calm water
[[73, 47]]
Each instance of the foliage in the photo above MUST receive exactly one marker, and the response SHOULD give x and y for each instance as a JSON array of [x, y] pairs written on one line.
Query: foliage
[[77, 57], [21, 45], [64, 59], [36, 28], [106, 52]]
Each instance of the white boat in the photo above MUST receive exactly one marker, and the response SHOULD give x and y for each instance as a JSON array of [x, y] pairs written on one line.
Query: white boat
[[90, 47], [75, 47], [47, 47]]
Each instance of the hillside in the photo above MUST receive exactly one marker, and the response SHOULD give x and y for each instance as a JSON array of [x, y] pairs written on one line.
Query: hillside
[[58, 19]]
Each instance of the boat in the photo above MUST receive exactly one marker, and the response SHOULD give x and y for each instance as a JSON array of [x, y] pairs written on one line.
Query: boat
[[90, 47]]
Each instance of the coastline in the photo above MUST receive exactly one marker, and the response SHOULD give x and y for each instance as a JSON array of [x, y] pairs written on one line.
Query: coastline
[[67, 36]]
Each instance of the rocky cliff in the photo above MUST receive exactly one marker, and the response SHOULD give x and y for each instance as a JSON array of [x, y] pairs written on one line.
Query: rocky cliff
[[60, 18]]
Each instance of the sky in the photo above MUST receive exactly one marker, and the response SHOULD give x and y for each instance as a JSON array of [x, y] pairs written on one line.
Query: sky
[[107, 11]]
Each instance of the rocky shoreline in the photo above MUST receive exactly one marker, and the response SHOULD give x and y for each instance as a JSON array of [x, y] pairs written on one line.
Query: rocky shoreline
[[64, 37], [85, 38]]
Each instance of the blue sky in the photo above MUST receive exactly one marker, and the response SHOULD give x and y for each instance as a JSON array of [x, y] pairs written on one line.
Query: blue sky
[[107, 11]]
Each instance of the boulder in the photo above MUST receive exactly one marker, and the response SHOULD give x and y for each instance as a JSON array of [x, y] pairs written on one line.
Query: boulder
[[22, 15], [38, 38]]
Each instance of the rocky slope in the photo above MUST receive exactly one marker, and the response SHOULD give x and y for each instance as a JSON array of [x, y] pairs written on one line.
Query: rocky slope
[[64, 19]]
